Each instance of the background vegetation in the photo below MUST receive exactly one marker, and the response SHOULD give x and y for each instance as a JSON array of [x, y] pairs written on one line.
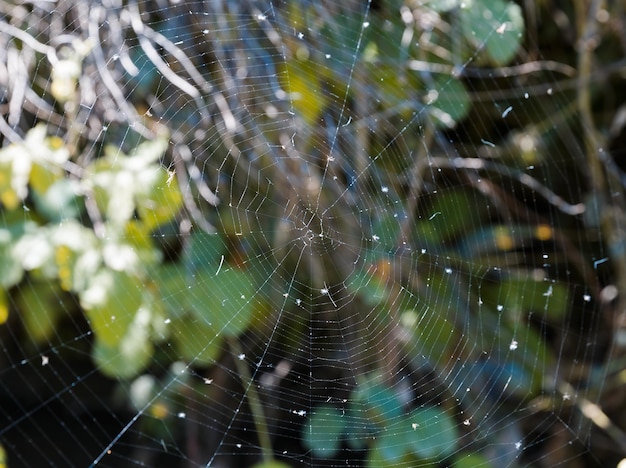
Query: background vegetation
[[146, 147]]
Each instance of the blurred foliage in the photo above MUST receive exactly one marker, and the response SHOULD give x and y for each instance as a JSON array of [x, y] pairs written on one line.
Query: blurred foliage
[[170, 183]]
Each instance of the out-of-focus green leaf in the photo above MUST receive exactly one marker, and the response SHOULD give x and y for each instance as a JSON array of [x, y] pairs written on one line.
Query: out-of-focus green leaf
[[3, 457], [442, 5], [15, 166], [381, 403], [11, 270], [305, 90], [59, 201], [38, 160], [433, 332], [170, 280], [39, 309], [111, 303], [269, 464], [77, 255], [471, 460], [118, 182], [43, 176], [223, 300], [496, 25], [195, 341], [370, 282], [359, 430], [449, 102], [376, 459], [35, 250], [138, 236], [391, 443], [323, 432], [430, 433], [4, 306], [203, 249], [447, 217], [130, 354], [549, 299], [124, 361], [161, 202]]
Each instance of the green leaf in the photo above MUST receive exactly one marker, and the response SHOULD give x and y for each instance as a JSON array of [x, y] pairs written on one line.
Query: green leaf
[[15, 166], [35, 250], [449, 101], [448, 217], [430, 433], [123, 361], [4, 306], [161, 202], [269, 464], [496, 25], [369, 282], [305, 91], [379, 402], [471, 460], [223, 300], [111, 303], [170, 280], [442, 5], [43, 176], [525, 294], [359, 430], [77, 255], [203, 249], [11, 271], [39, 309], [59, 202], [324, 431], [131, 351], [195, 341], [432, 330]]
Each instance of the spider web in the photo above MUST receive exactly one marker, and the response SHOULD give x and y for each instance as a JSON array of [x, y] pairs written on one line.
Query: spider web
[[390, 249]]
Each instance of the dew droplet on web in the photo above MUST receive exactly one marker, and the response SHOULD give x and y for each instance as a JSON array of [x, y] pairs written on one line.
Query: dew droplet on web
[[241, 357], [384, 189], [587, 298], [182, 415], [507, 111], [513, 345]]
